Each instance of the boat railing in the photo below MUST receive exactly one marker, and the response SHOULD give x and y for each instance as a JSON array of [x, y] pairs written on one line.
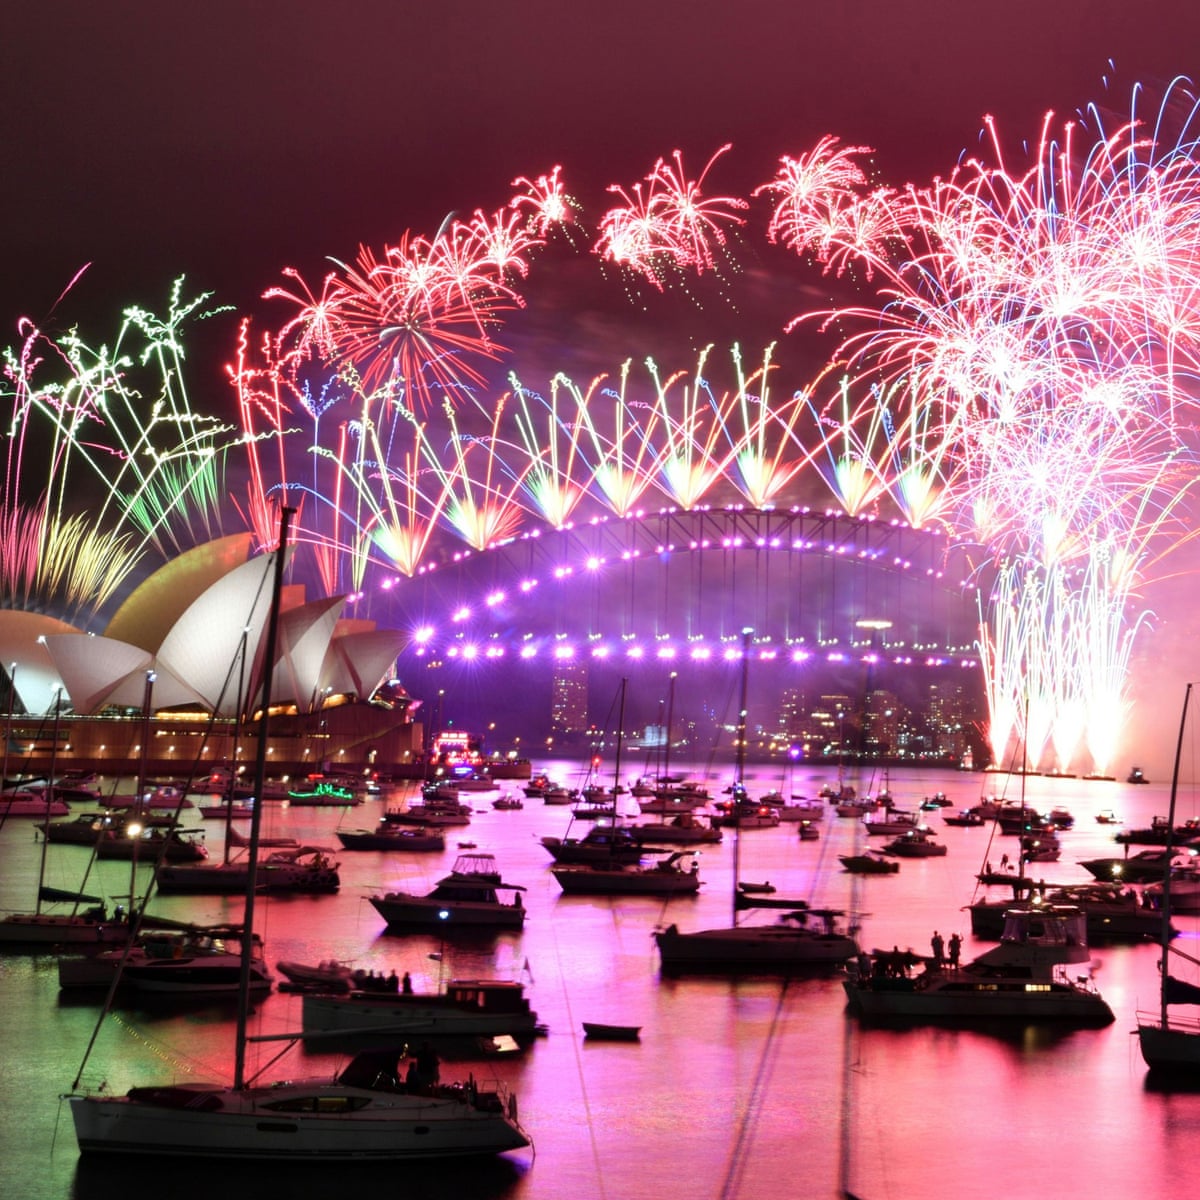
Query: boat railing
[[1189, 1025]]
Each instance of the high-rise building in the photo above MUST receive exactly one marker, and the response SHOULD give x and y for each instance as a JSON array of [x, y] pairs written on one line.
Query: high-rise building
[[948, 707], [568, 699]]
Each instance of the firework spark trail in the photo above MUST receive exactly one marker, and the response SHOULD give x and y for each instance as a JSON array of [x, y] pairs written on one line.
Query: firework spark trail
[[113, 425], [694, 458], [481, 508], [855, 447], [625, 458], [557, 475], [545, 202], [921, 474], [665, 222]]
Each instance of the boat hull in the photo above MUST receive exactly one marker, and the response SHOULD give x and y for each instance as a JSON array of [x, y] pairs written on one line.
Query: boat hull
[[583, 880], [597, 1032], [258, 1124], [1169, 1049], [1104, 923], [413, 842], [751, 948], [405, 1017], [420, 912], [221, 880], [957, 998], [45, 930]]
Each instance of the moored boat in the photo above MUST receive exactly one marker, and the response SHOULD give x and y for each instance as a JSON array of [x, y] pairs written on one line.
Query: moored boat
[[31, 804], [892, 822], [868, 864], [1146, 866], [603, 843], [684, 829], [800, 940], [598, 1031], [467, 1008], [389, 836], [967, 818], [473, 895], [1170, 1044], [1111, 913], [676, 874], [1023, 978], [916, 843], [303, 869], [155, 843], [186, 966]]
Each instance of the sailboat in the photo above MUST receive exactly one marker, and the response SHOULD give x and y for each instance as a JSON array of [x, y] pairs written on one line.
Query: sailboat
[[801, 939], [1170, 1045], [86, 922], [676, 874], [366, 1112]]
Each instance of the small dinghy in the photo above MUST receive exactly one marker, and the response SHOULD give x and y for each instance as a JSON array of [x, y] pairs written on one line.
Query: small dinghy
[[597, 1032]]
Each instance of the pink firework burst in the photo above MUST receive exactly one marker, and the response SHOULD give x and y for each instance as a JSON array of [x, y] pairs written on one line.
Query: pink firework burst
[[668, 223]]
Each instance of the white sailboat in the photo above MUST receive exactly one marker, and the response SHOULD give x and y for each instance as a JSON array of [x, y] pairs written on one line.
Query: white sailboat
[[803, 937], [1170, 1045], [367, 1112]]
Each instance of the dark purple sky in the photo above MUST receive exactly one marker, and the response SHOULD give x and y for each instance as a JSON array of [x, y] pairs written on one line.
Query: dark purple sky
[[227, 139]]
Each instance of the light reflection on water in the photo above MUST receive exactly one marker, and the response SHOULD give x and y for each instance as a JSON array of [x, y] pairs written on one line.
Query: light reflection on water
[[737, 1089]]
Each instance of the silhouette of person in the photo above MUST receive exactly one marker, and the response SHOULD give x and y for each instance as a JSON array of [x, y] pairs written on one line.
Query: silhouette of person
[[955, 950], [939, 948]]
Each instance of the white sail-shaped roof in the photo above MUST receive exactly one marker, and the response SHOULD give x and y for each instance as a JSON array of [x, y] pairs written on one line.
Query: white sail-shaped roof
[[155, 606], [36, 678], [198, 623], [358, 663], [100, 671], [304, 636], [214, 645]]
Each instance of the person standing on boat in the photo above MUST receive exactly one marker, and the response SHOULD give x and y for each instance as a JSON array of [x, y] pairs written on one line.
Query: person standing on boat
[[939, 950], [955, 950]]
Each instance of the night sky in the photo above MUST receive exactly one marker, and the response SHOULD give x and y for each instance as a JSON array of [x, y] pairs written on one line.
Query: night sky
[[228, 140]]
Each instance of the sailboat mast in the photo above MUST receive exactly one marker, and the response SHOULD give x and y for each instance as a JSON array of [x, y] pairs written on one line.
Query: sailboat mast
[[238, 717], [739, 768], [260, 774], [49, 799], [666, 770], [617, 762], [12, 695], [140, 798], [1166, 892]]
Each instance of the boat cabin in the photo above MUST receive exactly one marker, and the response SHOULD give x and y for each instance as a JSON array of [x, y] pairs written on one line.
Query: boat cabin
[[488, 995]]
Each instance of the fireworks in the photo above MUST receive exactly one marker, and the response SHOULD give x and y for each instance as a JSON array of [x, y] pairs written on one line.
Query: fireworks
[[1034, 319], [1018, 369], [666, 222], [105, 460]]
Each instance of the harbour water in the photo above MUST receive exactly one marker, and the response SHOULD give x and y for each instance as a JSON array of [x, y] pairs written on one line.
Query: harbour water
[[738, 1088]]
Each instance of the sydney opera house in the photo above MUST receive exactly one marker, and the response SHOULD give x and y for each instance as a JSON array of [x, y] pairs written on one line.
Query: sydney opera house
[[171, 686]]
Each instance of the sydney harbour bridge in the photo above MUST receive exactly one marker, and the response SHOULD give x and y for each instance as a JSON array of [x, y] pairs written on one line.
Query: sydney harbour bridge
[[670, 592]]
